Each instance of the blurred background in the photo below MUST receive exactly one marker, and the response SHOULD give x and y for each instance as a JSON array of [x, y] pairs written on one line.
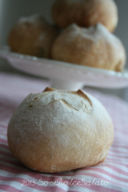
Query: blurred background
[[12, 10]]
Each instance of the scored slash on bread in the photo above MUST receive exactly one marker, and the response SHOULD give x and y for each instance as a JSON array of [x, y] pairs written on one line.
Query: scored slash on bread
[[79, 92]]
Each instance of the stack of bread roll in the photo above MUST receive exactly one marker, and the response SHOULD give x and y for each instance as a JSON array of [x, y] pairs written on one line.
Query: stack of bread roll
[[58, 130], [83, 34]]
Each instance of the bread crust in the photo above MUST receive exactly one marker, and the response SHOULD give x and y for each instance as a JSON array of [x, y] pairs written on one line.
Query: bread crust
[[93, 47], [85, 13], [32, 36], [47, 135]]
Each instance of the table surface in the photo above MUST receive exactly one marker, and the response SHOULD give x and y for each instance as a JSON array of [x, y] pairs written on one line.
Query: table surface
[[111, 175]]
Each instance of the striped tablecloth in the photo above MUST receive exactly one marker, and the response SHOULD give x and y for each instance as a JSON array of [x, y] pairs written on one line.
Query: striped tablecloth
[[111, 175]]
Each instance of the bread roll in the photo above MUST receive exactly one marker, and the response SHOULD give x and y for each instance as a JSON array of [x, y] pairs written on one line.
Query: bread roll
[[85, 13], [32, 36], [93, 47], [56, 131]]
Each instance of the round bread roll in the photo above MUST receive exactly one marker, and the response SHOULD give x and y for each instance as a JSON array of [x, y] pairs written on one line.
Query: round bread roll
[[56, 131], [32, 36], [85, 13], [93, 47]]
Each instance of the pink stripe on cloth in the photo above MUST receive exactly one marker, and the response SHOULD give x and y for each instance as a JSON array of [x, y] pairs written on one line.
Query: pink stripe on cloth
[[111, 175], [117, 169], [9, 188], [30, 184]]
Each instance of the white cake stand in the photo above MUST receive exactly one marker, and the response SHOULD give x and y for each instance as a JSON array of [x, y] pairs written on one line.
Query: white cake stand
[[66, 75]]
